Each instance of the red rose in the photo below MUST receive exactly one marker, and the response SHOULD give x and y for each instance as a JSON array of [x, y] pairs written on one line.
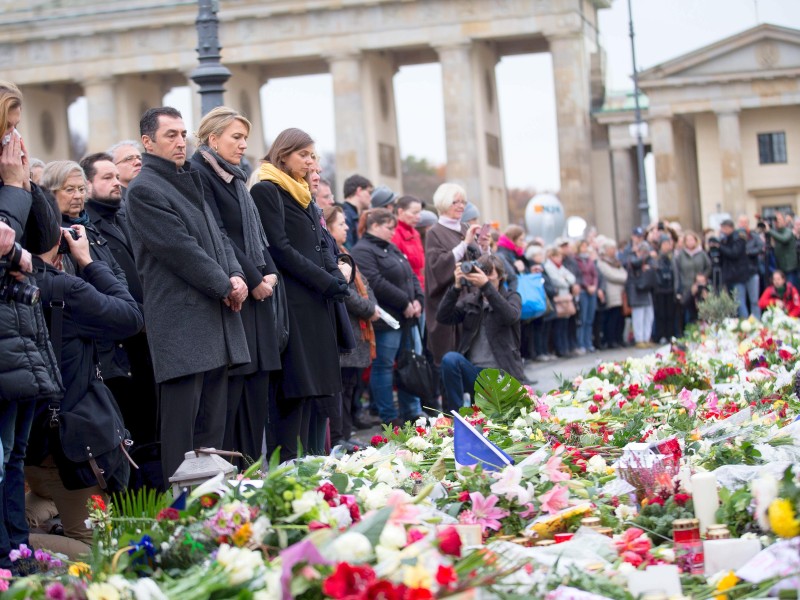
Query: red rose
[[421, 430], [593, 408], [463, 496], [417, 594], [348, 580], [681, 499], [446, 576], [329, 492], [377, 440], [169, 514], [657, 500], [450, 541]]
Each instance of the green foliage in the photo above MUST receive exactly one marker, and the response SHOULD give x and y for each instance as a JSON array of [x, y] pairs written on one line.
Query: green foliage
[[717, 307], [733, 510], [499, 395], [728, 453], [657, 520], [630, 432], [144, 503]]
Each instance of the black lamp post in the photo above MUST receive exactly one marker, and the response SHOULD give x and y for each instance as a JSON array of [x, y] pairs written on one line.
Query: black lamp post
[[644, 208], [210, 74]]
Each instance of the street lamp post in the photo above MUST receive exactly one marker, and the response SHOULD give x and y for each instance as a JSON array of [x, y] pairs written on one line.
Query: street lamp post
[[644, 207], [210, 75]]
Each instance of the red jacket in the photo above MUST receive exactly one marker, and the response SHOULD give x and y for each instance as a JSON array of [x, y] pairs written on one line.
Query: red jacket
[[410, 243], [791, 299]]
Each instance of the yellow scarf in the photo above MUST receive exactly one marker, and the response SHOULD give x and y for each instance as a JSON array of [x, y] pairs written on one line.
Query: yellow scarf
[[298, 189]]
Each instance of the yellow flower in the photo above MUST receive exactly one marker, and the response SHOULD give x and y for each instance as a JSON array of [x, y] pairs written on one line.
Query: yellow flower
[[726, 583], [417, 577], [782, 518], [242, 535], [79, 568], [102, 591]]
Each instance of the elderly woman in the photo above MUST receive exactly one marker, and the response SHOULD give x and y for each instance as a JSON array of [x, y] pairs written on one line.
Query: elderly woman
[[312, 280], [222, 138], [562, 281], [399, 293], [615, 275], [446, 243]]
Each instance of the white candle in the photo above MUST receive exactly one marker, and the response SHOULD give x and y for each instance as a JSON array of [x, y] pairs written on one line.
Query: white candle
[[705, 498]]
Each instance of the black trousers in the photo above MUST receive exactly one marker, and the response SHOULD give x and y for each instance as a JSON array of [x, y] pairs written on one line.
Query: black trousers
[[193, 411], [246, 415], [288, 422], [664, 309]]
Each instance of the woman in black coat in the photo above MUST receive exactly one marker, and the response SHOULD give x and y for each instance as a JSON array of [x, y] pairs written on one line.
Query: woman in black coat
[[223, 136], [399, 293], [312, 283]]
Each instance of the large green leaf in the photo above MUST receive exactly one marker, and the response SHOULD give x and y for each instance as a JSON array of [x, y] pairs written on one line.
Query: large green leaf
[[499, 395]]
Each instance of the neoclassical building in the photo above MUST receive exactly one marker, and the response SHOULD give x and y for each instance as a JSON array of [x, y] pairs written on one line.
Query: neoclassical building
[[724, 129]]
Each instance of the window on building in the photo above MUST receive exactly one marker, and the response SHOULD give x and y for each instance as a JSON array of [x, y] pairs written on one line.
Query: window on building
[[772, 148]]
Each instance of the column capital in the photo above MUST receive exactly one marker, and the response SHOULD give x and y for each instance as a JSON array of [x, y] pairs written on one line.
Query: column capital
[[344, 56], [726, 107], [659, 112], [454, 46], [101, 79]]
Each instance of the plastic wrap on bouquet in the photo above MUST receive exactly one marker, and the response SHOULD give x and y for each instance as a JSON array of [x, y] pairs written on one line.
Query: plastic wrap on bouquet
[[648, 472]]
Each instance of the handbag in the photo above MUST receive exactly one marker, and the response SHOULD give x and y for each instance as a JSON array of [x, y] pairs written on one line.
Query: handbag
[[89, 440], [415, 374], [565, 306], [530, 287]]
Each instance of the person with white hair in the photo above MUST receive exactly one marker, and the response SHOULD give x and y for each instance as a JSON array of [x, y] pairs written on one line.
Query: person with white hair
[[447, 244], [127, 157], [615, 276]]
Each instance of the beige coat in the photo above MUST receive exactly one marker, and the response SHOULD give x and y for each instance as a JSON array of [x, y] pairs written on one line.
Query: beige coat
[[615, 277]]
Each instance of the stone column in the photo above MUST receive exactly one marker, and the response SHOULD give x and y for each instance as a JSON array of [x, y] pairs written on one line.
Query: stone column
[[463, 146], [573, 106], [243, 93], [135, 94], [100, 98], [348, 105], [45, 126], [730, 155], [626, 200], [662, 139]]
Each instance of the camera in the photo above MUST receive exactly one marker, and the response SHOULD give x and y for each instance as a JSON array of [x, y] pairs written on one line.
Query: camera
[[470, 262], [63, 245], [469, 266], [10, 288]]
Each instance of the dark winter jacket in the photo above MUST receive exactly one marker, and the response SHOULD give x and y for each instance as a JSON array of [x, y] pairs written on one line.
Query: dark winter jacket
[[185, 263], [27, 365], [735, 264], [641, 282], [389, 274], [351, 218], [310, 362], [257, 317], [501, 320], [785, 246]]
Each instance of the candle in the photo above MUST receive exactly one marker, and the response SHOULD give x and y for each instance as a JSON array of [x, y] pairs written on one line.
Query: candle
[[705, 499]]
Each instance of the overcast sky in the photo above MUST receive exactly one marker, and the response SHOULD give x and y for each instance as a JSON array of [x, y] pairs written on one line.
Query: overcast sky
[[664, 30]]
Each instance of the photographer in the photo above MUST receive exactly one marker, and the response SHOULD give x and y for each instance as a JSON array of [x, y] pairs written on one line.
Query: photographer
[[27, 365], [781, 294], [734, 262], [96, 306], [489, 314], [784, 244]]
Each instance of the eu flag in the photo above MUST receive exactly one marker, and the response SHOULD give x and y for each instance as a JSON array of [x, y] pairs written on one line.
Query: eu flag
[[471, 447]]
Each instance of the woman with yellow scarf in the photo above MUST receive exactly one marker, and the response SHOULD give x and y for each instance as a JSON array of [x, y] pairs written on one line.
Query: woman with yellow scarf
[[312, 283]]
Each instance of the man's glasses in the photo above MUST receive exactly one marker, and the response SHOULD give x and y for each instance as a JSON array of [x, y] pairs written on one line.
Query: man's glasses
[[130, 158]]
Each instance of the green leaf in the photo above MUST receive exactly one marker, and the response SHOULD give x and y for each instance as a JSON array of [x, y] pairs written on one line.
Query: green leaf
[[499, 395], [372, 526], [340, 481]]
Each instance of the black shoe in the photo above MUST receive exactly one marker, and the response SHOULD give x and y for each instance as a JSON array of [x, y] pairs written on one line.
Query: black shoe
[[360, 424], [396, 422]]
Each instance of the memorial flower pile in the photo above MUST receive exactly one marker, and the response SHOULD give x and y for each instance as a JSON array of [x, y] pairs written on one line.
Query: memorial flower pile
[[602, 470]]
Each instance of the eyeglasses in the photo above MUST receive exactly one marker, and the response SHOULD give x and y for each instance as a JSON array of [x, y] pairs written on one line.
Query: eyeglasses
[[70, 191], [130, 158], [460, 202]]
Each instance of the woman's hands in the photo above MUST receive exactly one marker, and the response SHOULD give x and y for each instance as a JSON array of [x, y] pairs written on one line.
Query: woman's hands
[[266, 288]]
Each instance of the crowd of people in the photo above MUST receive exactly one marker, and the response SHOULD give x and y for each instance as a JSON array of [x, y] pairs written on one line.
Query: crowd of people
[[185, 303]]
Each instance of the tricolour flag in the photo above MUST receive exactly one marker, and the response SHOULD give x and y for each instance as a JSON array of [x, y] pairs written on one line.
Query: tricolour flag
[[471, 447]]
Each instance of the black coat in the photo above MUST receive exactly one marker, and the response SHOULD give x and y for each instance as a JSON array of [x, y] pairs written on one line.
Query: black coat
[[501, 321], [390, 276], [25, 373], [113, 358], [311, 359], [735, 263], [257, 317], [185, 264]]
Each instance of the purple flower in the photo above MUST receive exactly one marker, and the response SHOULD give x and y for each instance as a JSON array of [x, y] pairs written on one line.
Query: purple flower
[[22, 552], [55, 591]]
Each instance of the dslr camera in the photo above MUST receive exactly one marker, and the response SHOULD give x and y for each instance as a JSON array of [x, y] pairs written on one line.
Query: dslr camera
[[63, 246], [470, 262], [10, 288]]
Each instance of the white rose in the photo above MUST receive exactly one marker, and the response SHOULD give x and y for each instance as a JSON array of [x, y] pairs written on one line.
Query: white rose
[[624, 512], [374, 497], [147, 589], [393, 536], [596, 465], [341, 515], [351, 547], [306, 503], [519, 423], [418, 443], [102, 591]]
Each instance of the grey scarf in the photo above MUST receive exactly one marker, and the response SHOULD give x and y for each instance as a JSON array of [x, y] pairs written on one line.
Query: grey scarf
[[255, 240]]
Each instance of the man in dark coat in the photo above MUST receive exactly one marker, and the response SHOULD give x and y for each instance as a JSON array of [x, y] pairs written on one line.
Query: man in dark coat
[[193, 289], [357, 191], [130, 376], [489, 314], [735, 264]]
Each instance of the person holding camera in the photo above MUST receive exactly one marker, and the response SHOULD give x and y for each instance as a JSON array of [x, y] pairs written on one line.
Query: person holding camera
[[94, 306], [690, 260], [489, 315], [398, 292], [782, 294], [734, 264]]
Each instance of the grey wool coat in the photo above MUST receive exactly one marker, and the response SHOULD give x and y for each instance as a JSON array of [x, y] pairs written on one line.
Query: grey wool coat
[[185, 264]]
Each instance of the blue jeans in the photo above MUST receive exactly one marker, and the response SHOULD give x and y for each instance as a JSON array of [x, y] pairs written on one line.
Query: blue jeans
[[588, 307], [740, 289], [458, 376], [560, 336], [387, 347]]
